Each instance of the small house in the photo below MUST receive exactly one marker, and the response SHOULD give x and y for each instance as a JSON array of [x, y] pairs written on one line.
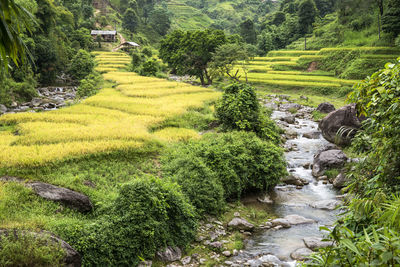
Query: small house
[[127, 46], [106, 36]]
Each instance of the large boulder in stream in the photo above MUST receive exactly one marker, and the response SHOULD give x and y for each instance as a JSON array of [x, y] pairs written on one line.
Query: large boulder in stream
[[71, 258], [315, 243], [343, 117], [326, 107], [326, 160], [301, 254]]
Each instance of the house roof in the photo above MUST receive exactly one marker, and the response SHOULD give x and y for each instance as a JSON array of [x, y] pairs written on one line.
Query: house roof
[[96, 32], [130, 43]]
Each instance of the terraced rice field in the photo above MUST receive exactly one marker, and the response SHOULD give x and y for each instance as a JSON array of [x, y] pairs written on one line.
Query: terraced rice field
[[116, 118], [275, 68]]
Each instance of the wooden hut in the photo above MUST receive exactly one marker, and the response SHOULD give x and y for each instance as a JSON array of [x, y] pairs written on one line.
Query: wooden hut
[[106, 36], [127, 46]]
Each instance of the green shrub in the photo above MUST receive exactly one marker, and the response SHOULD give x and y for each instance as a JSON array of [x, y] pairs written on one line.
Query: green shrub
[[239, 109], [361, 68], [147, 51], [82, 65], [24, 249], [149, 214], [89, 86], [240, 160], [20, 91], [198, 182], [149, 68]]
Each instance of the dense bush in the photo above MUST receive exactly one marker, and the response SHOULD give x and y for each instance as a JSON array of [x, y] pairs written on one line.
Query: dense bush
[[81, 65], [24, 249], [149, 214], [89, 86], [198, 182], [240, 160], [19, 91], [239, 109], [150, 68]]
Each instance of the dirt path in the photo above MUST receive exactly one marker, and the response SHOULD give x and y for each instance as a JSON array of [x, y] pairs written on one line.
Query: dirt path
[[122, 40]]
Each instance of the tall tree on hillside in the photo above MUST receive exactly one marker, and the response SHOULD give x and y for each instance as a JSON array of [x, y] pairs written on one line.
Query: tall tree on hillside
[[189, 53], [380, 14], [248, 31], [307, 13], [160, 21], [14, 19], [130, 20], [391, 18]]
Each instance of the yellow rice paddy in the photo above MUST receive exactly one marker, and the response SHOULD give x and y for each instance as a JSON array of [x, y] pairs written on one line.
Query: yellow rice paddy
[[115, 119]]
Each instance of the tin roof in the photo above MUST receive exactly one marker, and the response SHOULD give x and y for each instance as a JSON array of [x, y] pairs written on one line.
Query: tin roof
[[96, 32]]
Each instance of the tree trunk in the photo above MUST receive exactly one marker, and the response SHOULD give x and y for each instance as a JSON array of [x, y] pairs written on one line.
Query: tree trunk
[[305, 42], [202, 79], [379, 26]]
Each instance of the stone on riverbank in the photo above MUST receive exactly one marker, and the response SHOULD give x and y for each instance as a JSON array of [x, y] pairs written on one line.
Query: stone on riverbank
[[301, 254], [327, 160], [315, 243], [169, 254], [326, 107], [240, 224]]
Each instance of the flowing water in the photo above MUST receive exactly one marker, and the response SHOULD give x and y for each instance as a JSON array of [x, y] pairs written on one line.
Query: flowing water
[[289, 200]]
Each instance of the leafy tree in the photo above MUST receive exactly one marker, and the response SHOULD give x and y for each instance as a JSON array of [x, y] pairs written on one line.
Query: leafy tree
[[279, 18], [14, 19], [307, 13], [82, 65], [391, 18], [248, 31], [159, 20], [130, 20], [226, 57], [189, 53]]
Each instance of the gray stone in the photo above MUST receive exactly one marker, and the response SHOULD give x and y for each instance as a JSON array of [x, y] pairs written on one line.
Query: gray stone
[[289, 106], [294, 180], [145, 264], [289, 119], [304, 97], [72, 257], [291, 134], [216, 244], [340, 180], [312, 135], [315, 243], [328, 160], [329, 204], [240, 224], [169, 254], [3, 109], [227, 253], [281, 222], [236, 214], [343, 117], [297, 219], [270, 261], [65, 196], [186, 260], [301, 254], [265, 199], [326, 107]]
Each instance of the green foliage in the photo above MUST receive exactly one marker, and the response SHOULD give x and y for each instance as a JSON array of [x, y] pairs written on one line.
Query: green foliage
[[19, 248], [16, 91], [226, 58], [307, 14], [150, 68], [239, 160], [81, 65], [160, 21], [149, 214], [189, 53], [130, 20], [239, 109], [391, 18], [248, 32], [89, 86]]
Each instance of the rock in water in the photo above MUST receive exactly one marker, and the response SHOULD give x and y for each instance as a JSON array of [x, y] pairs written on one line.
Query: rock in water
[[326, 107], [3, 109], [301, 254], [297, 219], [72, 257], [343, 117], [65, 196], [170, 254], [315, 243], [326, 160], [329, 204], [340, 180], [281, 222], [240, 224]]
